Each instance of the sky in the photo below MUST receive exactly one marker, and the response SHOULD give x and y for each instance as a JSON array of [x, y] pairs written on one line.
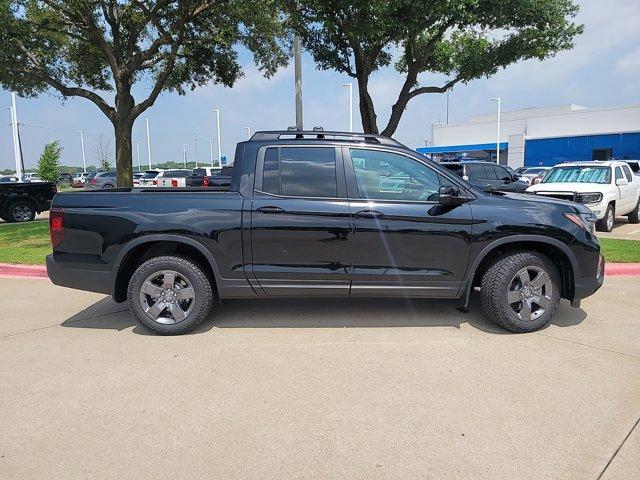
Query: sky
[[602, 70]]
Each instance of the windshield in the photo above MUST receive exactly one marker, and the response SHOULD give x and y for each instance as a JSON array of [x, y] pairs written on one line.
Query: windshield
[[578, 174], [151, 174]]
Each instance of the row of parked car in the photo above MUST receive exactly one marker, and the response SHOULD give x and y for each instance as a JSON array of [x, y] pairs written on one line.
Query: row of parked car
[[609, 189], [212, 177]]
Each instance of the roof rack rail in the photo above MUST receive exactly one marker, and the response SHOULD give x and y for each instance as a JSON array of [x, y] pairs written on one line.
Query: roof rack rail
[[319, 133]]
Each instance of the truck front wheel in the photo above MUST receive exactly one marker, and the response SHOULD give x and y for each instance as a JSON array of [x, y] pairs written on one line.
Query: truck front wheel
[[170, 295], [520, 291]]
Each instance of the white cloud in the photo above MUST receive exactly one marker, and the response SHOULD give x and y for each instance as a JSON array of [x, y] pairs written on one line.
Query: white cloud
[[629, 64]]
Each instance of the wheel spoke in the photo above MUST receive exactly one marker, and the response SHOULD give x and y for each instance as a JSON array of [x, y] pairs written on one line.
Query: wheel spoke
[[524, 276], [169, 279], [540, 280], [186, 293], [542, 301], [513, 297], [151, 289], [177, 313], [525, 313], [156, 309]]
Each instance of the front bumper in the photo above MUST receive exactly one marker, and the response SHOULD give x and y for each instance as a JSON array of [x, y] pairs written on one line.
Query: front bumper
[[585, 287], [69, 275]]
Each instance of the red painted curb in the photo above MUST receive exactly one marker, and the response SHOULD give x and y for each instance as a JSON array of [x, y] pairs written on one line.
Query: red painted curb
[[40, 271]]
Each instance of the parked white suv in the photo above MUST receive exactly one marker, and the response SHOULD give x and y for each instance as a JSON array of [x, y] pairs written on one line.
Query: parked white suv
[[607, 188]]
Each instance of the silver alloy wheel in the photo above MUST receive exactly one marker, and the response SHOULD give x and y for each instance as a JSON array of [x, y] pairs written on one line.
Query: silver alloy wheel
[[530, 293], [167, 297], [610, 219], [22, 213]]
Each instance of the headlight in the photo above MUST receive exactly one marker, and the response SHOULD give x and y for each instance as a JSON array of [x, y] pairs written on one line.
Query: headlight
[[587, 198], [586, 221]]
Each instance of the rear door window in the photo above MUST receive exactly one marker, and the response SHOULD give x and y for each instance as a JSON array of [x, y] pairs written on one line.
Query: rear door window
[[475, 172], [490, 172], [627, 173], [300, 172], [502, 173]]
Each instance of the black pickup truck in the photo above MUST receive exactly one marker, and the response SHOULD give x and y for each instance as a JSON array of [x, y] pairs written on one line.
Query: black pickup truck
[[325, 214], [20, 201]]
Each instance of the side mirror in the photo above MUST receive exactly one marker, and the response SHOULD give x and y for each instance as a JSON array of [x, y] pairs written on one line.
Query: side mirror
[[621, 182], [450, 196], [536, 180]]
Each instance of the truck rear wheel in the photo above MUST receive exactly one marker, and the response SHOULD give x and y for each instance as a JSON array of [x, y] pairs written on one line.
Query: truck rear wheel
[[20, 211], [520, 291], [170, 295], [634, 215]]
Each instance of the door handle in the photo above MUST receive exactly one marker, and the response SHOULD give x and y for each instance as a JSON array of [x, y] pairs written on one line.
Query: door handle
[[270, 209], [369, 214]]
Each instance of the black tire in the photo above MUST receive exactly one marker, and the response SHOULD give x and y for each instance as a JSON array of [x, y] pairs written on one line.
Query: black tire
[[634, 215], [189, 274], [106, 186], [606, 224], [20, 211], [500, 279]]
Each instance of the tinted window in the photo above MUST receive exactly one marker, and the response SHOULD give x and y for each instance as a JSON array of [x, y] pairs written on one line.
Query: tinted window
[[149, 175], [627, 173], [300, 172], [475, 172], [199, 172], [489, 172], [389, 176], [502, 173], [454, 167]]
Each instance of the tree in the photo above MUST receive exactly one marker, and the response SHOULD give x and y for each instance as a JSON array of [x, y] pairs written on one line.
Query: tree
[[460, 39], [103, 153], [48, 164], [85, 47]]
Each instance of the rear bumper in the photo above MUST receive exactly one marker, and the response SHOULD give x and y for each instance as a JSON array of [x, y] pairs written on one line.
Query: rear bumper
[[66, 275]]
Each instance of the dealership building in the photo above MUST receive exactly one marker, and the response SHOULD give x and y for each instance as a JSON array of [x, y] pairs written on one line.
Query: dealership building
[[541, 136]]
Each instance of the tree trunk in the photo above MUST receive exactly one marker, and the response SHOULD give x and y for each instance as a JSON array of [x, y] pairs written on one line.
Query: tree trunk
[[123, 126], [124, 158], [396, 114], [367, 109]]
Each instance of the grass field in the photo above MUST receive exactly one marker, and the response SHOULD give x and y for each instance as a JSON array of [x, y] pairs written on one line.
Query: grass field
[[29, 243]]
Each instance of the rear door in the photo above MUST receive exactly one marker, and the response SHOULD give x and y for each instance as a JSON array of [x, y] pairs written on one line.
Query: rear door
[[405, 242], [627, 192], [300, 222]]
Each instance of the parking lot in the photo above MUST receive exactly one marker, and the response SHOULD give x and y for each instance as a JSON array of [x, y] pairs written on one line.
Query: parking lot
[[317, 389]]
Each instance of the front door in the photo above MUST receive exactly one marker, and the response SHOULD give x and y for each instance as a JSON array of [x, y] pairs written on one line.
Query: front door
[[407, 243], [300, 222]]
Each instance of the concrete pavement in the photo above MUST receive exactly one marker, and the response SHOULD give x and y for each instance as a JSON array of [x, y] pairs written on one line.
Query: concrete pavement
[[317, 389], [623, 230]]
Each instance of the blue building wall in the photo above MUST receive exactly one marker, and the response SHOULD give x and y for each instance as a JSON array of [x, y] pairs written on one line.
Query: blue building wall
[[551, 151]]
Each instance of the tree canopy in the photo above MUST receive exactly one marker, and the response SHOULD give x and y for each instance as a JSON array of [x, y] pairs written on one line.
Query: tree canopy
[[48, 165], [97, 48], [460, 39]]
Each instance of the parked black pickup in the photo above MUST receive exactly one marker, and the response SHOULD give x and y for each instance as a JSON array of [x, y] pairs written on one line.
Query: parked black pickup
[[325, 214], [20, 201]]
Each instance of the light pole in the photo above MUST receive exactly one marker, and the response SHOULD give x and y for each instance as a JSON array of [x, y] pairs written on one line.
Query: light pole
[[499, 100], [138, 154], [217, 110], [350, 86], [297, 57], [17, 153], [448, 91], [195, 142], [184, 154], [84, 158], [146, 119], [248, 129], [211, 150]]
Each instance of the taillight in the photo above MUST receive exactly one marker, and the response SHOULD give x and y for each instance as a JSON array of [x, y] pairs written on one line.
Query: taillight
[[93, 181], [174, 182], [205, 182], [56, 226], [155, 182]]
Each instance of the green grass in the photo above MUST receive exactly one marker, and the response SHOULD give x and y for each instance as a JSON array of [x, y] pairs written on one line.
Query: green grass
[[620, 251], [29, 243], [25, 242]]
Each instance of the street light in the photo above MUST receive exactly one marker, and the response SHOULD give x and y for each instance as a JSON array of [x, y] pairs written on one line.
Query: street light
[[184, 154], [138, 154], [217, 110], [84, 158], [211, 150], [146, 119], [350, 86], [195, 141], [248, 129], [499, 100]]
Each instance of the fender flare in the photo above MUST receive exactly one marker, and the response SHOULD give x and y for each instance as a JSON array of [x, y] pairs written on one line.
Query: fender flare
[[16, 197], [514, 239], [164, 237]]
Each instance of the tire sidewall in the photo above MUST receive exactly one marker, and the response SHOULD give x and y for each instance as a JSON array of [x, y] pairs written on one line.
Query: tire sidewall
[[192, 272]]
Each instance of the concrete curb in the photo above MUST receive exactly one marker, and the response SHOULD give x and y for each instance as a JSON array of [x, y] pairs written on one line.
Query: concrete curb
[[15, 270]]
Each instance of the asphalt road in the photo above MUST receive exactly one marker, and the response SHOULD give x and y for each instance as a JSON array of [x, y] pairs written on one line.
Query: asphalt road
[[322, 389]]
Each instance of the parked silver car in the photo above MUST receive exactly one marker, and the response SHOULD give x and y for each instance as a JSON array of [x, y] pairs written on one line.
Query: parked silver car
[[101, 181]]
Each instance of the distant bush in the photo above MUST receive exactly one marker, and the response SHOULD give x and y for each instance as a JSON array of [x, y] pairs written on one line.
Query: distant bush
[[48, 165]]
